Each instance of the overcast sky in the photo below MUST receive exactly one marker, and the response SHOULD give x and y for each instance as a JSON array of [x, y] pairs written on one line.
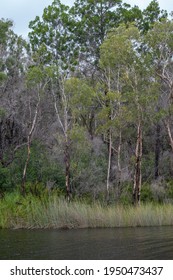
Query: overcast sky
[[23, 11]]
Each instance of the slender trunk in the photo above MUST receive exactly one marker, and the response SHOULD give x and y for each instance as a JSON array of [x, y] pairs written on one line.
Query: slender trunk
[[29, 138], [67, 170], [119, 163], [23, 191], [157, 152], [1, 145], [91, 124], [169, 133], [109, 136], [64, 123], [109, 166], [138, 175], [67, 144]]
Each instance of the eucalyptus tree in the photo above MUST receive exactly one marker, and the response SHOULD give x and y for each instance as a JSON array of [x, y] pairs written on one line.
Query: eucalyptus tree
[[13, 54], [55, 31], [73, 103], [83, 103], [93, 20], [5, 29], [13, 63], [36, 80], [142, 101], [127, 75], [151, 15], [159, 46], [54, 34], [116, 54]]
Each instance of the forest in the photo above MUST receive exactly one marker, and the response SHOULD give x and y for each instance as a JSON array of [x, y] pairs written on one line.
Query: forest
[[86, 105]]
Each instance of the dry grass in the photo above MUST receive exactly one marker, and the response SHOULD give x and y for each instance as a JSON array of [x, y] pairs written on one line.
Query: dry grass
[[55, 212]]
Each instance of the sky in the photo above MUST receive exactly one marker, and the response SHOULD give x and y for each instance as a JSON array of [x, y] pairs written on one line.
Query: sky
[[23, 11]]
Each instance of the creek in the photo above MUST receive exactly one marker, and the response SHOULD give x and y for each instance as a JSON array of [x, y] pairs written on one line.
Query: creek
[[87, 244]]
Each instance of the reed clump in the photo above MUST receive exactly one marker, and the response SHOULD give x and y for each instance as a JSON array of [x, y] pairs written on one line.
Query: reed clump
[[55, 212]]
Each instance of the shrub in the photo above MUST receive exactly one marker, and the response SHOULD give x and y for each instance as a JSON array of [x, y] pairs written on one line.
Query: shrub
[[146, 193]]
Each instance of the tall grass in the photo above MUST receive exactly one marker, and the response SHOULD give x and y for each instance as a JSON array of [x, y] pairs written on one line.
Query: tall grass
[[53, 212]]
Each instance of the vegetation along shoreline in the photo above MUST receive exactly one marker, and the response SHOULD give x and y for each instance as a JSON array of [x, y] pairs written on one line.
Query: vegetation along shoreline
[[56, 213], [86, 117]]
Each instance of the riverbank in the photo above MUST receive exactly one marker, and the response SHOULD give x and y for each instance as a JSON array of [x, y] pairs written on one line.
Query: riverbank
[[53, 212]]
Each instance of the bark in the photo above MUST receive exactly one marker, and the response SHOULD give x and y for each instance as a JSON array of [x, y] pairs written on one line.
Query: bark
[[91, 125], [109, 166], [29, 138], [119, 163], [65, 124], [157, 152], [67, 171], [169, 134], [23, 191], [109, 139], [138, 175]]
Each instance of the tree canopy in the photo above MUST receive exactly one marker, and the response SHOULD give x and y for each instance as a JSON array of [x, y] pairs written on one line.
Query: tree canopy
[[86, 103]]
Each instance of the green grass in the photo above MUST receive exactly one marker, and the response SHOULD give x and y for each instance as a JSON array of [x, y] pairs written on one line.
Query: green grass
[[53, 212]]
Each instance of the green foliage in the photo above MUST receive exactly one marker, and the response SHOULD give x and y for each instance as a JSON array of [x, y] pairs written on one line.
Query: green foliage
[[126, 194], [13, 51], [118, 47], [54, 212], [151, 15], [2, 113], [54, 31], [156, 40], [107, 66], [5, 179], [35, 76], [146, 194], [81, 96], [5, 27], [94, 19], [148, 164], [128, 14], [3, 77], [41, 169], [169, 189], [88, 163]]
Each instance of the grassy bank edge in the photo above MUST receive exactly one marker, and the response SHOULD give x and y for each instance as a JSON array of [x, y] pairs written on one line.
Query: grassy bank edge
[[55, 213]]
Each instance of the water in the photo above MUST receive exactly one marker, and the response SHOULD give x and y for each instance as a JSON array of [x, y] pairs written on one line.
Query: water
[[85, 244]]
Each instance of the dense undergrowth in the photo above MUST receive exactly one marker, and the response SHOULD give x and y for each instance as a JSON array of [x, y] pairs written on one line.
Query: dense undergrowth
[[52, 211]]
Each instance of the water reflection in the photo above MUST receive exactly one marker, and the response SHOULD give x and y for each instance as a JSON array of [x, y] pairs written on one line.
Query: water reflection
[[117, 243]]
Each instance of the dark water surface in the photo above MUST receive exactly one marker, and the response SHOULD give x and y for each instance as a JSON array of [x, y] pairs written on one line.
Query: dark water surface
[[87, 244]]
